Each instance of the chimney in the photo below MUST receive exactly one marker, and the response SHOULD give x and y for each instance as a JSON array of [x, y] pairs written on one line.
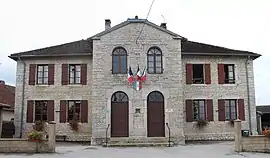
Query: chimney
[[164, 25], [136, 17], [107, 24], [2, 83]]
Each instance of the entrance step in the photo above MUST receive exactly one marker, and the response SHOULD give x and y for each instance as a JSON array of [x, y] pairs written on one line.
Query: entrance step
[[137, 142]]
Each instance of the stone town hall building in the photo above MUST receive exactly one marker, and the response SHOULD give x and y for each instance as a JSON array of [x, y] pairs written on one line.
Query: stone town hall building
[[186, 81]]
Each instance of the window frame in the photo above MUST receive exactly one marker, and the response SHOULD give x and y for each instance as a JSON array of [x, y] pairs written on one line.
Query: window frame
[[154, 55], [230, 110], [120, 53], [198, 109], [45, 102], [43, 76], [74, 73], [202, 81], [228, 80], [74, 110]]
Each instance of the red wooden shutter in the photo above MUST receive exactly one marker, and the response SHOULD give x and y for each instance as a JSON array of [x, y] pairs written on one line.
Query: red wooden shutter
[[32, 74], [189, 110], [64, 74], [241, 109], [221, 75], [221, 110], [209, 108], [84, 111], [189, 73], [63, 111], [83, 74], [30, 111], [50, 107], [207, 70], [51, 74]]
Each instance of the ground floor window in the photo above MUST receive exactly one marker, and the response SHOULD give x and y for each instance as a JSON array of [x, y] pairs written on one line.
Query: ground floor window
[[41, 110], [230, 109], [198, 110], [74, 108]]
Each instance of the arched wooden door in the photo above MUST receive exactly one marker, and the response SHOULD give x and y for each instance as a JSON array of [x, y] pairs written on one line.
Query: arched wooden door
[[119, 115], [155, 115]]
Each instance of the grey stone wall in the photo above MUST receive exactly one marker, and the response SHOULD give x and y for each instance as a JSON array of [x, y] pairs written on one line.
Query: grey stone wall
[[105, 83], [54, 92], [217, 129]]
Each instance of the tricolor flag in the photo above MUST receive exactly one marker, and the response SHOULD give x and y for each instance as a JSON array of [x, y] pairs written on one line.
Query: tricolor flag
[[130, 75], [137, 85], [143, 77], [139, 73]]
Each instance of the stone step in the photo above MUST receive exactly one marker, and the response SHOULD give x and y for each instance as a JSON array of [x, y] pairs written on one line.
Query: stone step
[[138, 140], [137, 145]]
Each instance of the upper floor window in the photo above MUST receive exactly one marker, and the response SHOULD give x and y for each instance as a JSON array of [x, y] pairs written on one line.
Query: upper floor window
[[229, 73], [198, 74], [154, 61], [74, 74], [119, 61], [42, 74]]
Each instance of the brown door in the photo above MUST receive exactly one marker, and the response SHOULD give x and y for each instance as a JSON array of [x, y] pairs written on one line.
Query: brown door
[[119, 115], [155, 115]]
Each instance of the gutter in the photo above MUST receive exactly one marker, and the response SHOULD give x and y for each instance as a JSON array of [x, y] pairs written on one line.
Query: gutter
[[22, 101], [248, 96]]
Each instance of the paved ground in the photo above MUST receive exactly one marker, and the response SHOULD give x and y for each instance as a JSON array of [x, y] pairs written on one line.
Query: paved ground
[[217, 150]]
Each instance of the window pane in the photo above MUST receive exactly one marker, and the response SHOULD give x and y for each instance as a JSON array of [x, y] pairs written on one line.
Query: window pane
[[123, 64], [150, 58], [158, 58], [45, 80], [46, 68], [201, 105], [150, 70], [230, 68], [158, 70], [71, 68], [71, 80], [150, 64], [45, 74], [78, 74], [40, 80], [71, 74], [158, 64], [78, 80], [40, 74], [40, 68], [231, 75], [195, 110], [115, 64], [78, 68]]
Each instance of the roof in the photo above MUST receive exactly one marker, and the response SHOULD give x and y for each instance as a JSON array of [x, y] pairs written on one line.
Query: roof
[[85, 47], [7, 96], [81, 47], [263, 108], [196, 48]]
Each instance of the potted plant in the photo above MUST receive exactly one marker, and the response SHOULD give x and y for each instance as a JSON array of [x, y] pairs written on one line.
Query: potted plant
[[266, 132], [201, 123], [35, 136]]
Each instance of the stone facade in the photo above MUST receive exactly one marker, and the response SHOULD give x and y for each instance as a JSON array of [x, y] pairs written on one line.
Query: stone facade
[[220, 130], [102, 84], [54, 92]]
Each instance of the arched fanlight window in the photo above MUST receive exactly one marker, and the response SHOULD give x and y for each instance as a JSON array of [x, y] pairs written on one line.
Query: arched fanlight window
[[154, 61], [119, 61]]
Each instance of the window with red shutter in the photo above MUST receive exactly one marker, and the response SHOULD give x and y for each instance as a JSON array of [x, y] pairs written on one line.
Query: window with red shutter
[[84, 111], [221, 77], [83, 74], [50, 110], [63, 111], [189, 111], [32, 74], [64, 74], [51, 74], [189, 73], [30, 111], [221, 110], [207, 70], [230, 109], [241, 109], [209, 108]]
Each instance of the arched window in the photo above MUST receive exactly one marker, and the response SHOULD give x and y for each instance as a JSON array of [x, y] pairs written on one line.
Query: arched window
[[119, 97], [119, 61], [154, 61], [155, 96]]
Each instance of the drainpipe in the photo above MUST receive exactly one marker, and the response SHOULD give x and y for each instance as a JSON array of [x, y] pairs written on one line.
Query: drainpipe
[[248, 95], [22, 101]]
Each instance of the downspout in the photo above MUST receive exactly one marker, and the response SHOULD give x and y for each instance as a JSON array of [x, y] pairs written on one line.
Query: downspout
[[248, 95], [22, 101]]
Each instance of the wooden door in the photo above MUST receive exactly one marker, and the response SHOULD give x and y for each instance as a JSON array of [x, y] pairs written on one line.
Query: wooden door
[[119, 115], [155, 115]]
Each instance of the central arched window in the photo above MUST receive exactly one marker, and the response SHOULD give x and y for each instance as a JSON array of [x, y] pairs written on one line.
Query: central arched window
[[119, 61], [154, 61]]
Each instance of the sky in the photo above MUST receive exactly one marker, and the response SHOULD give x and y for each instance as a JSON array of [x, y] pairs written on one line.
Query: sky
[[236, 24]]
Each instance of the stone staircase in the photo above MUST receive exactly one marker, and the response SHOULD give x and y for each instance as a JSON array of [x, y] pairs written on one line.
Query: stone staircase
[[138, 142]]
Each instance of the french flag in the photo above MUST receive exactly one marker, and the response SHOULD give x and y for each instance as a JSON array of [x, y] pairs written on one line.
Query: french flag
[[130, 75], [143, 77], [139, 75]]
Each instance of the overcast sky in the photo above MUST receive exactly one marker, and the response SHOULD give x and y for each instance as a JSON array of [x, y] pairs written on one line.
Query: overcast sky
[[236, 24]]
